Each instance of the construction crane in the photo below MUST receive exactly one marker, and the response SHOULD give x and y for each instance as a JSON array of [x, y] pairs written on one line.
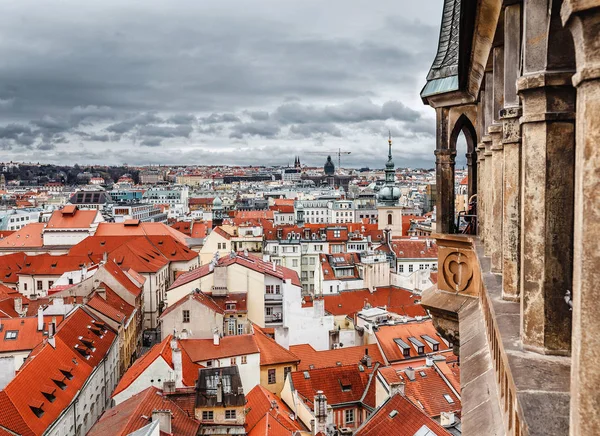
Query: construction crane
[[338, 152]]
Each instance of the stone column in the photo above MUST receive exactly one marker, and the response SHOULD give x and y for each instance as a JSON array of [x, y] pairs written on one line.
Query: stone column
[[584, 23], [488, 189], [548, 138], [444, 165], [481, 224], [511, 140], [496, 197]]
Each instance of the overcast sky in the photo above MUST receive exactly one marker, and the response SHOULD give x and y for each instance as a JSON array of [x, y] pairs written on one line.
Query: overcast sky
[[216, 82]]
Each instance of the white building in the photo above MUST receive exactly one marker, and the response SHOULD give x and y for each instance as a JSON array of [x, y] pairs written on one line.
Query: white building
[[14, 219], [176, 197]]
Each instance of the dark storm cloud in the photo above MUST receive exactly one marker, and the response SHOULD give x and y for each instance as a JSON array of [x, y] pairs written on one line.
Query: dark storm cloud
[[220, 118], [314, 129], [256, 128], [104, 72], [152, 142], [166, 131]]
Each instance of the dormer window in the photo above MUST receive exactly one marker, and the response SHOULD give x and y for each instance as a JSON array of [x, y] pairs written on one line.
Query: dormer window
[[36, 408], [48, 393], [404, 347], [346, 385], [418, 345], [60, 383]]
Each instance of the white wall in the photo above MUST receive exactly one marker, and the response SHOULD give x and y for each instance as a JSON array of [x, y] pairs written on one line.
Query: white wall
[[157, 370]]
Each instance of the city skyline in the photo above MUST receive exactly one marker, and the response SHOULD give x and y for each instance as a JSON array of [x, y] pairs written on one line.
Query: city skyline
[[212, 84]]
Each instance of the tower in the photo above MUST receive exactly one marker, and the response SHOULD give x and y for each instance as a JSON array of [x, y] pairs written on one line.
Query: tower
[[389, 211], [217, 212]]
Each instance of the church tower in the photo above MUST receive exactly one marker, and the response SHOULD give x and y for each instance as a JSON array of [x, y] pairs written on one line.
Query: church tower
[[389, 211], [217, 212]]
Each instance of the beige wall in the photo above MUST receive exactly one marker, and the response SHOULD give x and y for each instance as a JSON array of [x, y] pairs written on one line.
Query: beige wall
[[203, 320], [219, 415], [279, 373], [207, 253]]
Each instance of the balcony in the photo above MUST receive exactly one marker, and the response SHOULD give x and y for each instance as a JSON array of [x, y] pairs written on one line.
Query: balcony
[[506, 389], [273, 297], [276, 319]]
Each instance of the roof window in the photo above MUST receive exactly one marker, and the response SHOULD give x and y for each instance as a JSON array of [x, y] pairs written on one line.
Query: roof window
[[60, 383], [36, 407], [11, 334], [449, 399], [345, 384]]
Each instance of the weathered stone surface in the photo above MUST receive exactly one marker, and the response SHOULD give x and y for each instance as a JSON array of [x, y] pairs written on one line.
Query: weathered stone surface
[[583, 20], [497, 184]]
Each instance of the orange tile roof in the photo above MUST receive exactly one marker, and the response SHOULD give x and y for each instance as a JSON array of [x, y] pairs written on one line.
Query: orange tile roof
[[134, 413], [397, 300], [339, 260], [330, 381], [29, 236], [386, 334], [254, 214], [259, 407], [71, 217], [408, 420], [28, 336], [415, 248], [46, 264], [112, 306], [160, 350], [428, 392], [143, 229], [328, 358], [46, 364], [201, 350], [271, 353], [251, 262]]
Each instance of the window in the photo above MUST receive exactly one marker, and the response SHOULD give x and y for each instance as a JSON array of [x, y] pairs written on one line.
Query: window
[[240, 329], [25, 286], [50, 283], [337, 233], [207, 415], [231, 326], [410, 268], [390, 220], [11, 334], [230, 306], [233, 361], [278, 289], [269, 311], [295, 262], [272, 377], [349, 416], [244, 360], [39, 285], [311, 261], [229, 414], [421, 266], [401, 268], [186, 316], [286, 371], [448, 398]]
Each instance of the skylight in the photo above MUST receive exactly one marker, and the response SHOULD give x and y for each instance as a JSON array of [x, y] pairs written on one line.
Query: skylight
[[449, 399]]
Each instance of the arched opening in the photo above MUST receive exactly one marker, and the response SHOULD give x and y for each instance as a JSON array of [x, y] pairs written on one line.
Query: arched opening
[[463, 140], [390, 219]]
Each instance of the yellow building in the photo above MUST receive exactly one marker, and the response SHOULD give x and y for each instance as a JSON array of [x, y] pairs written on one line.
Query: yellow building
[[275, 362]]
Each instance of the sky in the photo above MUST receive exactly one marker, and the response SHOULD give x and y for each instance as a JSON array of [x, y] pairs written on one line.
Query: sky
[[209, 82]]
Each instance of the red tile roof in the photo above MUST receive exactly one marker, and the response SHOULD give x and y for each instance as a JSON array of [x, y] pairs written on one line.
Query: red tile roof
[[328, 358], [9, 266], [204, 349], [397, 300], [264, 419], [161, 350], [46, 264], [70, 217], [271, 353], [28, 336], [406, 422], [330, 381], [415, 248], [136, 412], [428, 392], [392, 351], [329, 264], [112, 306], [28, 236], [251, 262], [143, 229], [46, 364]]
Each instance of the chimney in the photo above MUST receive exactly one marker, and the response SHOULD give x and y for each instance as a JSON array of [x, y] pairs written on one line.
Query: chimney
[[367, 359], [40, 319], [397, 388], [447, 419], [216, 337], [320, 411], [169, 387], [429, 361], [274, 267], [164, 419], [410, 373], [105, 257], [177, 366], [18, 305]]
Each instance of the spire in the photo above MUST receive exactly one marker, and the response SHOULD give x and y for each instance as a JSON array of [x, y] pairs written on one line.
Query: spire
[[390, 143]]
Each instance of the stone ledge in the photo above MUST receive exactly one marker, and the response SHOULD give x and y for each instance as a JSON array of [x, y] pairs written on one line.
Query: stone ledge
[[541, 382]]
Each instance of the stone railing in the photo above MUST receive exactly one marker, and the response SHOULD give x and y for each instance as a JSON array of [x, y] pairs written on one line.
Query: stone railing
[[461, 278]]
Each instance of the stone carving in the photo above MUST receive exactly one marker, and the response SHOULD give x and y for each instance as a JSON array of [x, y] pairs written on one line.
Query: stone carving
[[511, 127], [457, 271]]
